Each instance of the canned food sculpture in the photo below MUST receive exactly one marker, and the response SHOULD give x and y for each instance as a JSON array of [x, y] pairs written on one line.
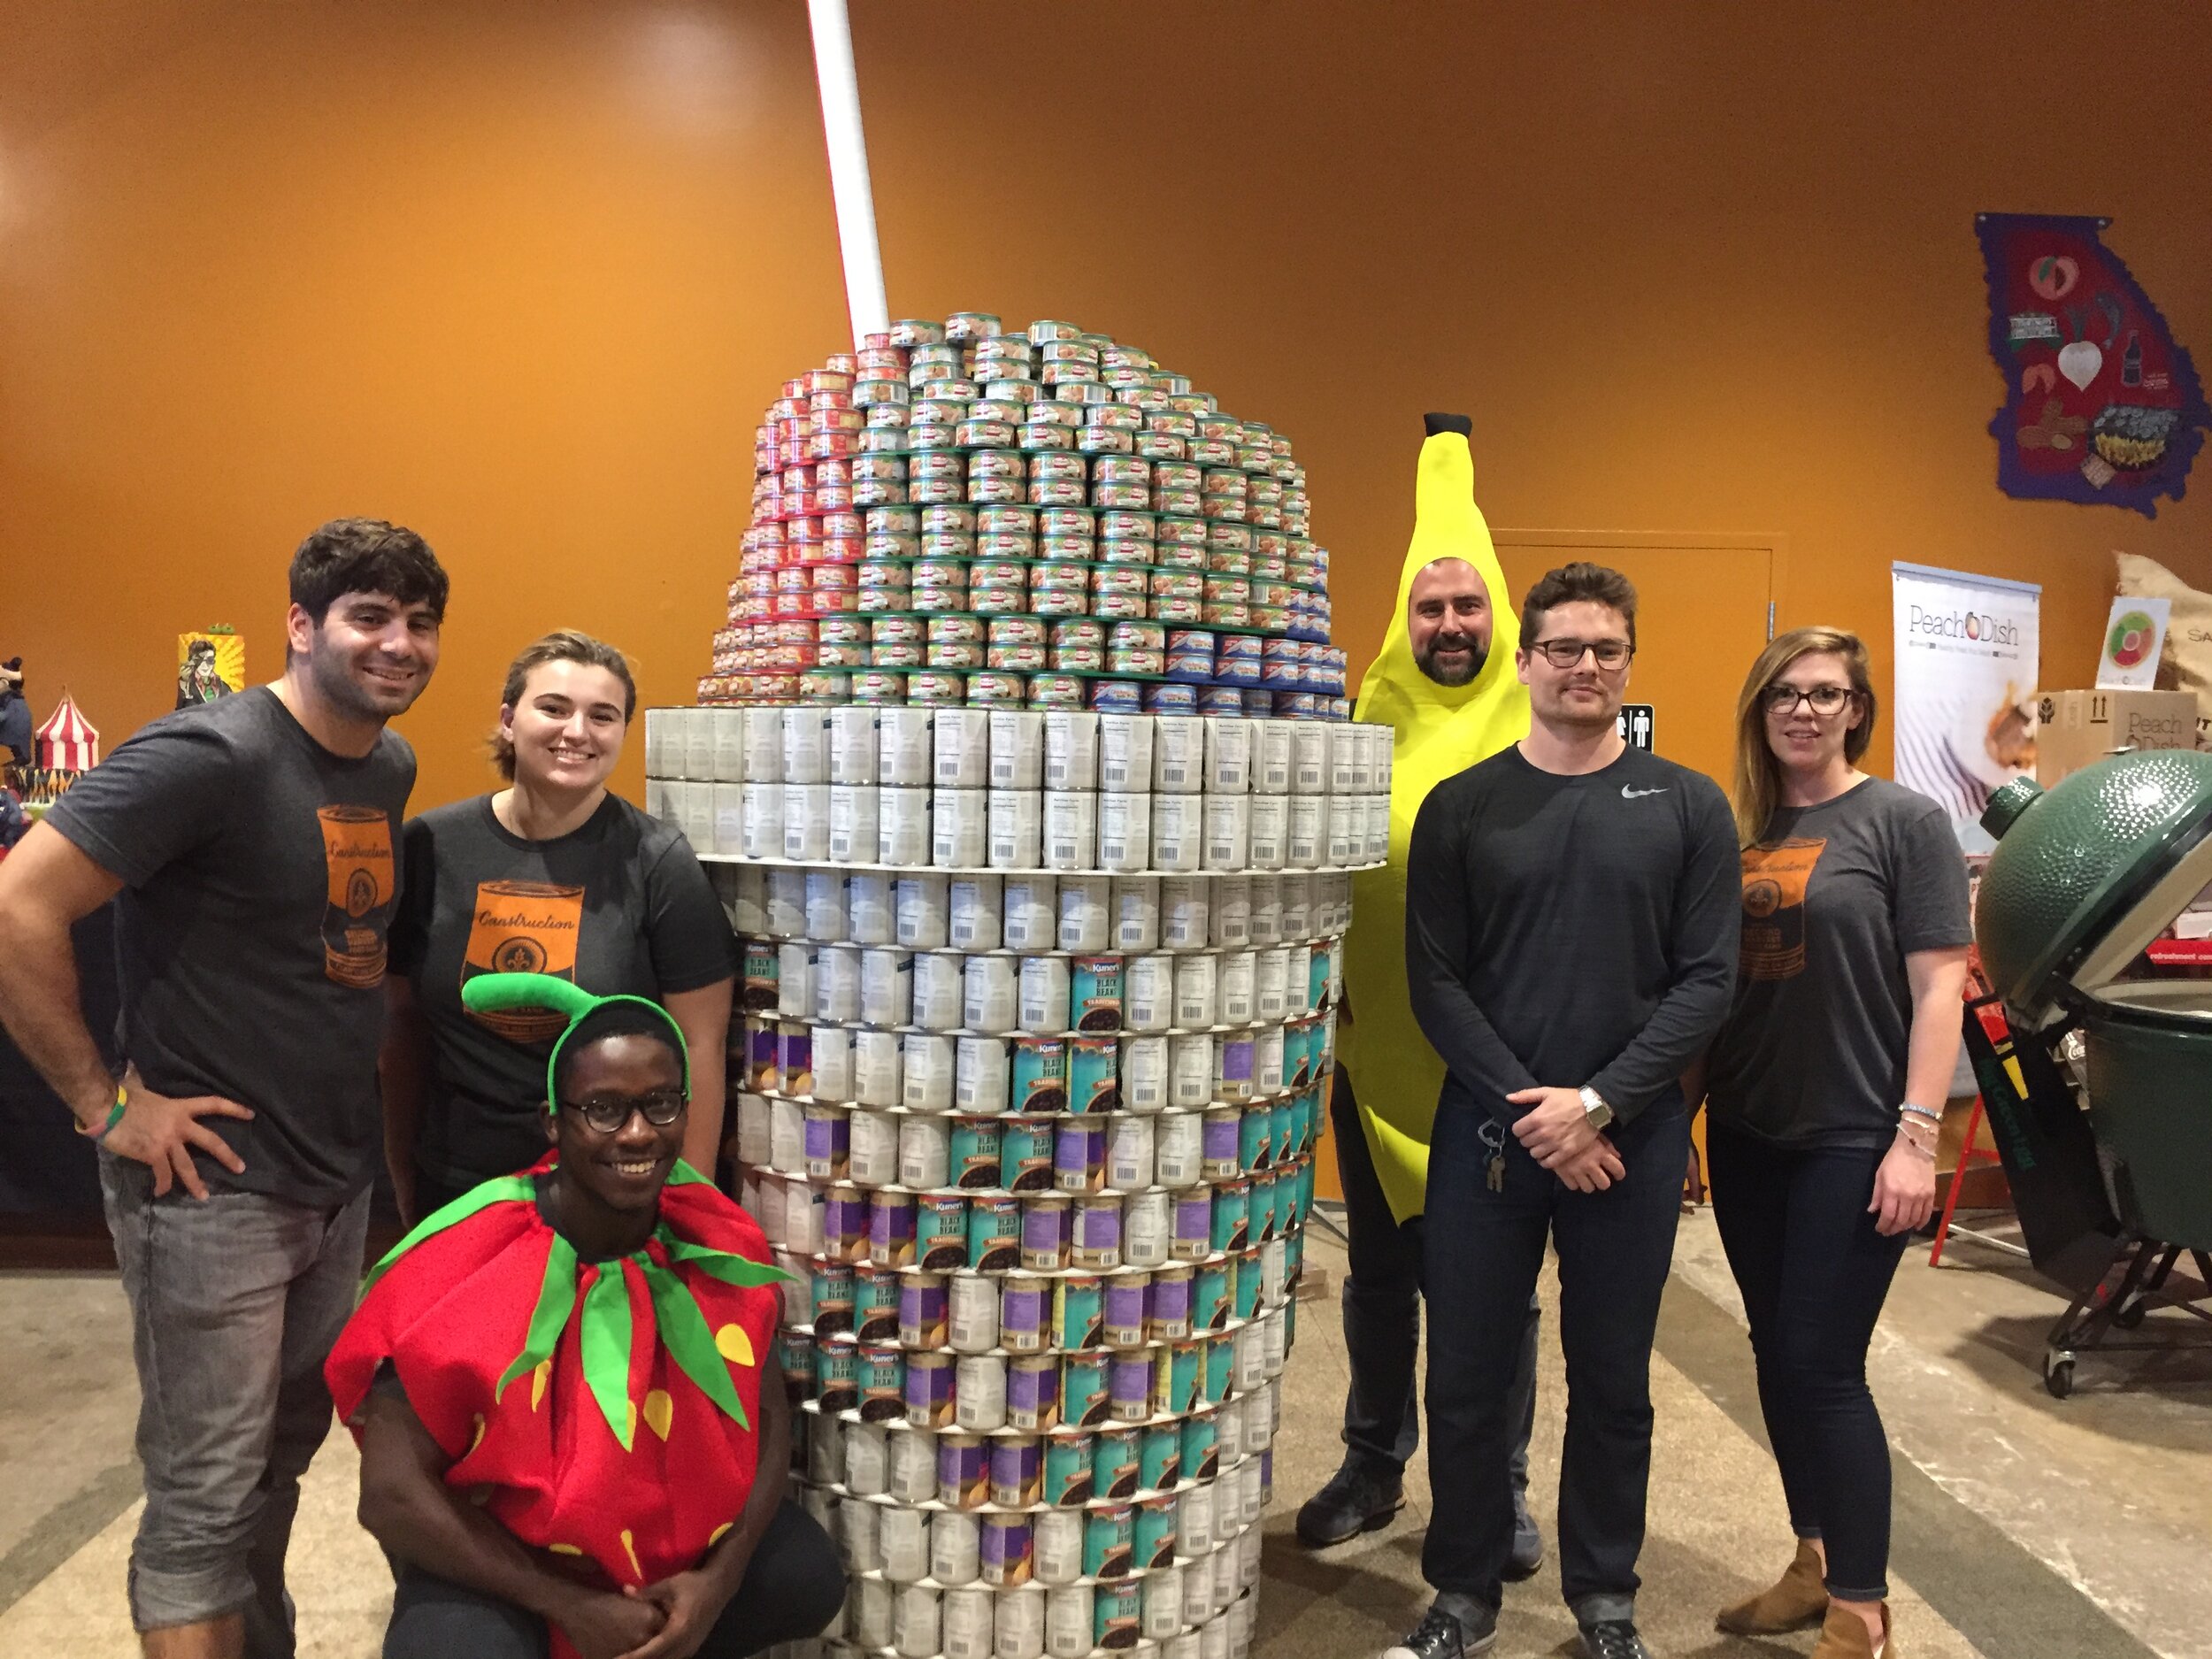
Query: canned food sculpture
[[1026, 805]]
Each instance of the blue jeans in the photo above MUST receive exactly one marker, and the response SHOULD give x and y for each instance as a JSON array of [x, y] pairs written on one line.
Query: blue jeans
[[1814, 1274], [236, 1300], [1484, 1251]]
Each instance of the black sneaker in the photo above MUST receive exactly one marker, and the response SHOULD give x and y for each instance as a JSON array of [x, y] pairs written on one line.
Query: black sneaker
[[1527, 1559], [1356, 1499], [1444, 1635], [1613, 1639]]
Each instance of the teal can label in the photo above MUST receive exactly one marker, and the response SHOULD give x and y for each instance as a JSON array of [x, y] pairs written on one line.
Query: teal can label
[[1250, 1277], [1084, 1399], [1317, 977], [1160, 1458], [1068, 1471], [880, 1373], [1221, 1361], [833, 1300], [1261, 1211], [1175, 1372], [975, 1152], [1117, 1462], [1025, 1157], [1094, 1074], [876, 1304], [837, 1377], [941, 1229], [995, 1234], [1116, 1610], [1255, 1130], [1094, 983], [1231, 1218], [1297, 1057], [1078, 1312], [1202, 1447], [1110, 1542], [1040, 1074], [1209, 1297], [1153, 1533], [1282, 1128]]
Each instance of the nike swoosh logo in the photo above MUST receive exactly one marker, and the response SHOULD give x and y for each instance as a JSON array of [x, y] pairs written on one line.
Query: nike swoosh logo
[[1628, 794]]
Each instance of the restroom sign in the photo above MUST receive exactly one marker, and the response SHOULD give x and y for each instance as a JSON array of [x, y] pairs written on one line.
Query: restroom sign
[[1636, 723]]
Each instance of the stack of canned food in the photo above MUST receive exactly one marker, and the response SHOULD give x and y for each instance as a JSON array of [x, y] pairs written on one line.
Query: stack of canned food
[[1034, 1136], [955, 514]]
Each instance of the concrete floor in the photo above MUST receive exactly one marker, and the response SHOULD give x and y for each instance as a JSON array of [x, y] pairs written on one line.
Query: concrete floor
[[2026, 1527]]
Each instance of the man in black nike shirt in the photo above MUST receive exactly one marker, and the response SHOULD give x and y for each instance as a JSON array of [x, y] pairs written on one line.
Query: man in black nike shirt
[[1572, 915]]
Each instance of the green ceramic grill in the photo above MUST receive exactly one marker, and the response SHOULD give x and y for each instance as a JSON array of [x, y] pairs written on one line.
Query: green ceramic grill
[[2085, 875]]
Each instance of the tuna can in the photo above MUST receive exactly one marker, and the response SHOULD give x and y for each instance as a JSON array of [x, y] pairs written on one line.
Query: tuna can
[[1190, 1070], [1117, 1462], [997, 1228], [1184, 907], [836, 1376], [1071, 829], [976, 904], [927, 1064], [1123, 1321], [1022, 1315], [1193, 1238], [1095, 993], [1145, 1076], [1008, 1546], [876, 1304], [1032, 1393], [1085, 918], [1129, 1139], [1093, 1075], [833, 1294], [1044, 1235], [929, 1378], [1039, 1073], [974, 1161], [1072, 746], [1147, 1225], [1025, 1149], [1030, 913], [891, 1219], [940, 1241], [1095, 1239], [1044, 986], [980, 1075], [1083, 1395], [1115, 696], [978, 1391], [1109, 1542], [1017, 1472], [1068, 1616], [1069, 1479]]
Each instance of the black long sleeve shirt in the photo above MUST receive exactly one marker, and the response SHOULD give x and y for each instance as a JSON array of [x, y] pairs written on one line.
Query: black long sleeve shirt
[[1565, 931]]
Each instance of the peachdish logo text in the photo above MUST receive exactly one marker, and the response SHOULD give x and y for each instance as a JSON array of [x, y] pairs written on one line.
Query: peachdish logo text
[[1977, 627]]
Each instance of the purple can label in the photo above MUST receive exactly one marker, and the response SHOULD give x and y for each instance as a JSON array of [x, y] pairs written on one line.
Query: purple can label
[[1218, 1139], [764, 1057], [1008, 1549], [844, 1222], [1125, 1312], [1044, 1232], [1194, 1224], [921, 1315], [1129, 1384], [929, 1390], [963, 1474], [1079, 1155], [1167, 1312], [1018, 1472], [891, 1217], [1236, 1059], [826, 1141], [1032, 1394], [1021, 1317]]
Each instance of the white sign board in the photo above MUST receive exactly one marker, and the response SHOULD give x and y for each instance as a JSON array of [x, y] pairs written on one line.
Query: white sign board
[[1967, 662]]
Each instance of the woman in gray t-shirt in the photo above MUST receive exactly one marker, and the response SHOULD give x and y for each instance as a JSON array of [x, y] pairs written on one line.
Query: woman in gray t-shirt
[[552, 874], [1824, 1091]]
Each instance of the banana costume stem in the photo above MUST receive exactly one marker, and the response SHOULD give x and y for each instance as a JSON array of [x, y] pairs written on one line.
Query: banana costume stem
[[1439, 731]]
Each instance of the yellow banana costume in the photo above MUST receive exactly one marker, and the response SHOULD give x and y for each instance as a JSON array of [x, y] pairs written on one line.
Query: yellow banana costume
[[1439, 730]]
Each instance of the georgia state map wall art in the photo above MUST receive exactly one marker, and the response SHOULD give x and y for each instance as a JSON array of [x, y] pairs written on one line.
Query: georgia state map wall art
[[2101, 405]]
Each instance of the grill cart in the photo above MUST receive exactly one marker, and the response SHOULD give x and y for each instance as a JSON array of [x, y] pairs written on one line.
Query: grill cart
[[2085, 879]]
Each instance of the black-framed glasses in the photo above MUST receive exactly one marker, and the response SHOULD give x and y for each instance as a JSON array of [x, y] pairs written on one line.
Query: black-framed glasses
[[1821, 699], [1569, 653], [608, 1113]]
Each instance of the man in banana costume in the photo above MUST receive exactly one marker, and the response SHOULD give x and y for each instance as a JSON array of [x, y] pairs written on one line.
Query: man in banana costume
[[1444, 683]]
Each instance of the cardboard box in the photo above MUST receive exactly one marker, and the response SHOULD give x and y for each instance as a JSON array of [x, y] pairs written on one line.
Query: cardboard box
[[2077, 727]]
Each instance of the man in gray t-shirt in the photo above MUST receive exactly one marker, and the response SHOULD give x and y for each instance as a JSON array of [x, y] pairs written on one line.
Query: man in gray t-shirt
[[248, 846]]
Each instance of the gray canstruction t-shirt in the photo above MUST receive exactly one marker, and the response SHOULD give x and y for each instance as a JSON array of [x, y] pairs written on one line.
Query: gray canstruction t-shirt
[[619, 905], [1835, 897], [259, 879]]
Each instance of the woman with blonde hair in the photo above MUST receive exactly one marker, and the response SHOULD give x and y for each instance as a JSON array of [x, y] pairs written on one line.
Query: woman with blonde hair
[[1824, 1091], [553, 875]]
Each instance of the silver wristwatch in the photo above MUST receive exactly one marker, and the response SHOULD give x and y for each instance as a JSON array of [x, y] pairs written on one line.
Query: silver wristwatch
[[1595, 1112]]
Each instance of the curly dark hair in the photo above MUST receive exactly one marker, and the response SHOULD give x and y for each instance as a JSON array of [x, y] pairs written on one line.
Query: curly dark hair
[[366, 556]]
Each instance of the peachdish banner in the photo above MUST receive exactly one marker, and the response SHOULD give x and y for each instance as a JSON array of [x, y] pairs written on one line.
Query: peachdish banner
[[1964, 703]]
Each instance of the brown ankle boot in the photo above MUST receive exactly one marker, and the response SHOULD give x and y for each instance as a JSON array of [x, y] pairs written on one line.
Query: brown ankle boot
[[1843, 1636], [1796, 1603]]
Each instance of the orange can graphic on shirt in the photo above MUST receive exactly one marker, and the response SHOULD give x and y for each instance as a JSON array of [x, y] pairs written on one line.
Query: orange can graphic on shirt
[[523, 927], [358, 847], [1774, 882]]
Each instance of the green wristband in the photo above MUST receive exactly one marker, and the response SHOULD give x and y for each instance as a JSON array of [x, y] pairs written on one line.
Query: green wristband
[[115, 1116]]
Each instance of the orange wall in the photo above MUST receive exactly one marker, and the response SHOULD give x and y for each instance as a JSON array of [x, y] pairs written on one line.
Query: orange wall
[[523, 274]]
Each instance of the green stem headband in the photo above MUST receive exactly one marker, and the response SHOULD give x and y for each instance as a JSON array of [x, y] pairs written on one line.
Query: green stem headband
[[496, 993]]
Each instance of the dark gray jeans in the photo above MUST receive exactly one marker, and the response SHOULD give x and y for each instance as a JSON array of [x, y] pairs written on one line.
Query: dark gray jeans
[[235, 1302]]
